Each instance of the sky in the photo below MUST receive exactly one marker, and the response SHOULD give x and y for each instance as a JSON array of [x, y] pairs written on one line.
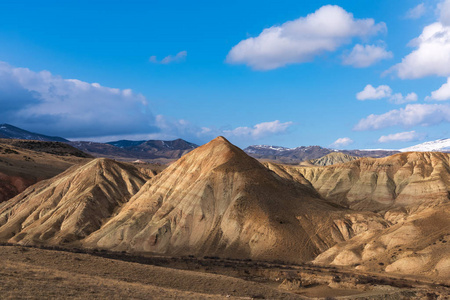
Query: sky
[[343, 74]]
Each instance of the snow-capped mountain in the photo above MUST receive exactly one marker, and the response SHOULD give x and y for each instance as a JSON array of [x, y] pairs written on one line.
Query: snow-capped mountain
[[442, 145], [302, 153]]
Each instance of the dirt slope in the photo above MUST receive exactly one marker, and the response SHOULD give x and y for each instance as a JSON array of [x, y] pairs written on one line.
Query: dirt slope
[[332, 159], [419, 246], [217, 200], [410, 190], [402, 180], [23, 163], [71, 205]]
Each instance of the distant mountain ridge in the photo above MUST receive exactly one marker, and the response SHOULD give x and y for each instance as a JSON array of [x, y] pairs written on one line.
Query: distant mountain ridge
[[123, 149], [178, 144], [11, 132], [131, 150], [299, 154]]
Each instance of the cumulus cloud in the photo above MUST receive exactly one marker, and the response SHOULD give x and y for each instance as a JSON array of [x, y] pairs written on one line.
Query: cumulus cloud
[[363, 56], [341, 142], [179, 57], [259, 130], [42, 102], [441, 94], [416, 12], [398, 98], [407, 136], [371, 93], [411, 115], [432, 53], [384, 91], [302, 39]]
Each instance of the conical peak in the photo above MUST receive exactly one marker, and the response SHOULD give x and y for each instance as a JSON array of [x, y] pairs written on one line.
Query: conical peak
[[221, 139], [217, 152], [221, 144], [104, 164]]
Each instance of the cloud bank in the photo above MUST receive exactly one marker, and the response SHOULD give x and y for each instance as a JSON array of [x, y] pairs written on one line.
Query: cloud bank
[[302, 39], [42, 102], [411, 115], [74, 109], [407, 136]]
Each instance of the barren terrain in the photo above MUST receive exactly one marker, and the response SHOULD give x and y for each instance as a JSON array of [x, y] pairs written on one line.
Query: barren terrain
[[27, 272]]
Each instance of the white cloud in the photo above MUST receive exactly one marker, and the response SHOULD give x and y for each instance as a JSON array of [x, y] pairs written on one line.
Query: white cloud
[[398, 98], [179, 57], [371, 93], [441, 94], [42, 102], [411, 115], [384, 91], [416, 12], [407, 136], [259, 130], [342, 142], [365, 56], [301, 40], [432, 53]]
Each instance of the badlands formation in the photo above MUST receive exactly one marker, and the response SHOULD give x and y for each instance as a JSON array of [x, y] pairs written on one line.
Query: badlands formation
[[380, 215], [24, 163], [71, 205], [409, 190]]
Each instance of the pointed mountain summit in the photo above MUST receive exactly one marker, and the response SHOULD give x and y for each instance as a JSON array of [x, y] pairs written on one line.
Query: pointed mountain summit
[[71, 205], [216, 200]]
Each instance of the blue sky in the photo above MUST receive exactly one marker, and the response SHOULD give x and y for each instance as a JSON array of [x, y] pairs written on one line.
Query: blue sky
[[258, 72]]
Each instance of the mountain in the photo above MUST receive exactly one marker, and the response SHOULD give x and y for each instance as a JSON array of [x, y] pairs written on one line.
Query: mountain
[[133, 150], [177, 144], [157, 148], [123, 150], [404, 179], [374, 214], [412, 193], [71, 205], [216, 200], [332, 159], [286, 155], [11, 132], [442, 145], [24, 162], [300, 154]]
